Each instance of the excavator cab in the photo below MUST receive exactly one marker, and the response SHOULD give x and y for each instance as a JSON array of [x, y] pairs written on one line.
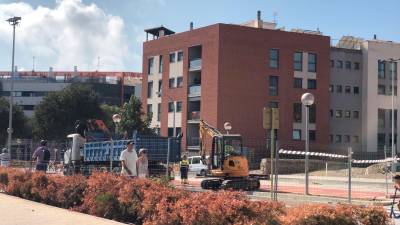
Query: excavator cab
[[227, 159]]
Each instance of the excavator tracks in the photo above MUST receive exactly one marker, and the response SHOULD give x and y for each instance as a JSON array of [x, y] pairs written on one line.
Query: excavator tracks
[[242, 184]]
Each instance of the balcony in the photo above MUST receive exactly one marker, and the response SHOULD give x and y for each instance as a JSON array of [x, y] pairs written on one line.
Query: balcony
[[195, 91], [194, 117], [195, 64]]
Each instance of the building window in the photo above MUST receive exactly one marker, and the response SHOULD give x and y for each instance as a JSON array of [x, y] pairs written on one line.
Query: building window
[[356, 139], [331, 88], [381, 118], [339, 64], [338, 138], [178, 131], [298, 61], [311, 135], [172, 57], [330, 138], [150, 66], [149, 109], [159, 112], [150, 89], [356, 66], [347, 114], [312, 113], [180, 56], [347, 89], [170, 106], [332, 63], [296, 134], [312, 62], [338, 114], [179, 82], [331, 113], [390, 90], [312, 84], [274, 58], [348, 65], [273, 85], [274, 105], [356, 90], [298, 83], [179, 106], [170, 131], [160, 68], [381, 140], [159, 88], [356, 114], [381, 89], [339, 88], [346, 138], [28, 107], [381, 69], [297, 112], [171, 82]]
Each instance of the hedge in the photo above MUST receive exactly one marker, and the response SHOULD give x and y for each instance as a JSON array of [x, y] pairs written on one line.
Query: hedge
[[140, 201]]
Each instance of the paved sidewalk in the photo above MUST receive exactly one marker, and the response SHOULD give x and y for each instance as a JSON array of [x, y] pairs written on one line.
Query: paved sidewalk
[[17, 211]]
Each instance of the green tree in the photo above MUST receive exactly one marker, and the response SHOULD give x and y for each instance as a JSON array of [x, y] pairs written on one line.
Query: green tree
[[133, 118], [20, 122], [56, 115]]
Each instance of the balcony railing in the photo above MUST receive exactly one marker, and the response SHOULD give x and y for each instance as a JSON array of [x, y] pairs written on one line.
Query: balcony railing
[[195, 91], [195, 115], [193, 141], [195, 64]]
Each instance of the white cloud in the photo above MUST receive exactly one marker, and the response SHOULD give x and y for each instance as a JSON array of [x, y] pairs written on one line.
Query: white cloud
[[71, 33]]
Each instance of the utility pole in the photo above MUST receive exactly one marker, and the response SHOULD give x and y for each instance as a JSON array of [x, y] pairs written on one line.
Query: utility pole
[[13, 22]]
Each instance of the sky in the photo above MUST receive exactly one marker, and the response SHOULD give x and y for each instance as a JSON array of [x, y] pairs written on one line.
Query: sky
[[108, 34]]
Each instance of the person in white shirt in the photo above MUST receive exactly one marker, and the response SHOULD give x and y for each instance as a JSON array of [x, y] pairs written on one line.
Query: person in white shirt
[[5, 158], [128, 160]]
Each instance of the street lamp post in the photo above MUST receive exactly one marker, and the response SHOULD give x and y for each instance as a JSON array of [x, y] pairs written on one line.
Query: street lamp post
[[116, 119], [307, 100], [14, 21]]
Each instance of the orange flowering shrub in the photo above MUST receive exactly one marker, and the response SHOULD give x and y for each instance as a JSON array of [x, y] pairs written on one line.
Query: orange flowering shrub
[[141, 201]]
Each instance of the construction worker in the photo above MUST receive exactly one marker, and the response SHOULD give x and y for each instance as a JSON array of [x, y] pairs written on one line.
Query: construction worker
[[184, 169]]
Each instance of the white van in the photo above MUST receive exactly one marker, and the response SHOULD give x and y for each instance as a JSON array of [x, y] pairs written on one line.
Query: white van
[[196, 165]]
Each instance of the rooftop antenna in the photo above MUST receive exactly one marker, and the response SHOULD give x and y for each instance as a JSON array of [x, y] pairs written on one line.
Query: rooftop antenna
[[33, 63], [275, 15], [98, 63]]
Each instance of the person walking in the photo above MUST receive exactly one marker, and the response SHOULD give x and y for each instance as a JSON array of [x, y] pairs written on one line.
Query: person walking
[[142, 164], [128, 160], [5, 158], [184, 169], [42, 156]]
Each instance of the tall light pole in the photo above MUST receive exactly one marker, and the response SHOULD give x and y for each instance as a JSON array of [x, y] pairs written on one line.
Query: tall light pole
[[13, 22], [307, 100], [116, 119]]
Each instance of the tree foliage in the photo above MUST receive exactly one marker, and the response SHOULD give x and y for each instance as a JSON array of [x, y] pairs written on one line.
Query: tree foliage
[[56, 115], [108, 112], [134, 119], [20, 122]]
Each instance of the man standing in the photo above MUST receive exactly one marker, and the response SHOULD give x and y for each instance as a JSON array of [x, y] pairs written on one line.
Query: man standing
[[5, 158], [42, 156], [128, 160]]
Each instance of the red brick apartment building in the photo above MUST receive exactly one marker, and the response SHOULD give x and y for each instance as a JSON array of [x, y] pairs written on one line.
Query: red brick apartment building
[[226, 72]]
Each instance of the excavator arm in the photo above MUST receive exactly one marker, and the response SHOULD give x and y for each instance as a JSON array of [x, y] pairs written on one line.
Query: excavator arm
[[206, 129]]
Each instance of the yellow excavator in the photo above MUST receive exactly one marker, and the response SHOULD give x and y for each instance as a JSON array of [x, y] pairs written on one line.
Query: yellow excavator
[[228, 165]]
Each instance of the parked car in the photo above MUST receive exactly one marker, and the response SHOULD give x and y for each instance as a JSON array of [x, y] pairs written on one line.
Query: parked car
[[197, 165]]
